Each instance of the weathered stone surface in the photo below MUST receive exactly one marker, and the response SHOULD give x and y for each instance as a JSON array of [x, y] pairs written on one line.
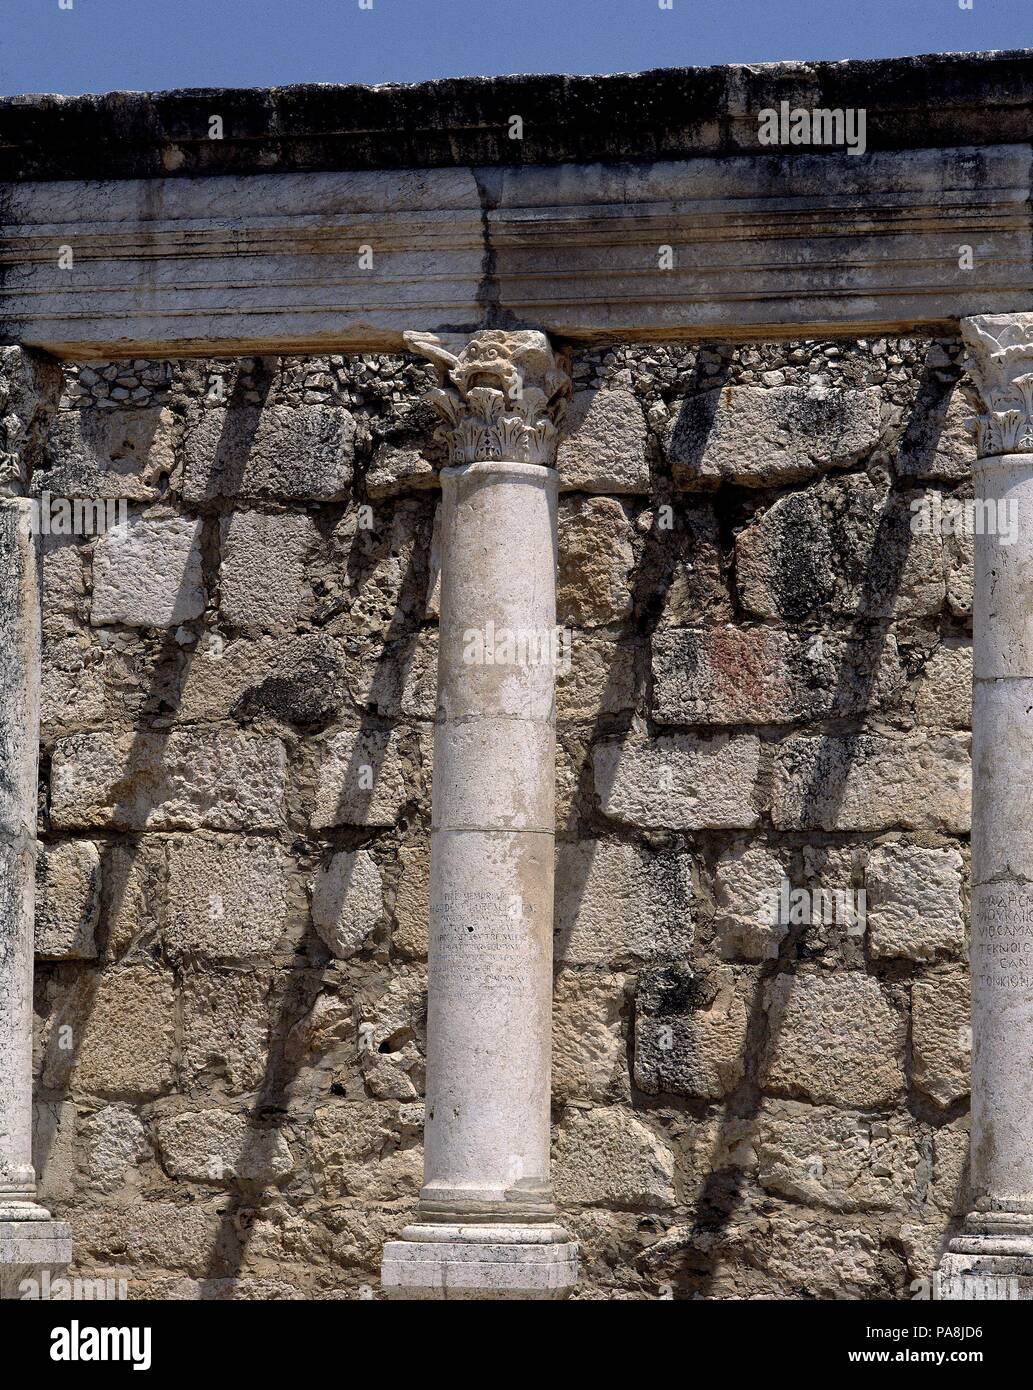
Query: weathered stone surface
[[223, 779], [398, 470], [749, 920], [939, 444], [356, 1153], [265, 569], [690, 1033], [412, 900], [815, 1259], [112, 453], [605, 1157], [68, 900], [589, 1052], [214, 1146], [600, 680], [113, 1141], [148, 573], [54, 1143], [833, 1039], [821, 1156], [758, 437], [604, 448], [295, 681], [680, 781], [347, 902], [736, 675], [301, 453], [225, 1029], [72, 694], [362, 781], [941, 1035], [685, 561], [839, 549], [595, 560], [227, 899], [115, 1034], [944, 696], [914, 902], [616, 903], [868, 782]]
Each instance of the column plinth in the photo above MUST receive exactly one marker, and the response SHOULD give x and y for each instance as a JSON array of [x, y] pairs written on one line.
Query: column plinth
[[486, 1226], [992, 1257]]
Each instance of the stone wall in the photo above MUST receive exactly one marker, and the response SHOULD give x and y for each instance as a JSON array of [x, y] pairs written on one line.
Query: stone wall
[[769, 685]]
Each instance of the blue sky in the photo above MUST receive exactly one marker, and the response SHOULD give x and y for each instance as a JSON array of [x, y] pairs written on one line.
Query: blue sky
[[101, 45]]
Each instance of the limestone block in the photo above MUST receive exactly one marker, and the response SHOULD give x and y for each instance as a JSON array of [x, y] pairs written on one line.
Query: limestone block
[[71, 685], [604, 444], [749, 921], [294, 681], [362, 781], [939, 444], [735, 675], [690, 1033], [399, 678], [147, 573], [817, 1260], [686, 564], [266, 563], [227, 897], [224, 779], [941, 1035], [215, 1146], [347, 902], [833, 1039], [600, 679], [826, 1157], [68, 881], [914, 902], [839, 549], [759, 437], [301, 453], [153, 1235], [354, 1152], [679, 781], [398, 470], [870, 782], [110, 453], [943, 699], [959, 568], [617, 903], [54, 1126], [225, 1029], [595, 562], [412, 900], [114, 1034], [589, 1052], [113, 1143], [606, 1157]]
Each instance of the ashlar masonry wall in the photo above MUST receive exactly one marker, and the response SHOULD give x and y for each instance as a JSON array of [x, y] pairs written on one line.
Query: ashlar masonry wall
[[770, 669]]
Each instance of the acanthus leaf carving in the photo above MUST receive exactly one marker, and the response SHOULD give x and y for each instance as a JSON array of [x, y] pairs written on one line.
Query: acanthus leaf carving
[[502, 397], [1000, 364]]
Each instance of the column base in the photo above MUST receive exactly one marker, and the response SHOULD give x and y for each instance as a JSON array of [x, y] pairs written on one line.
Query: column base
[[33, 1250], [480, 1262], [991, 1260]]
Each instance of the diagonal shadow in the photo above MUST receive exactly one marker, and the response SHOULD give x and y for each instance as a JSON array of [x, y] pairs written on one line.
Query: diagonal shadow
[[724, 1191]]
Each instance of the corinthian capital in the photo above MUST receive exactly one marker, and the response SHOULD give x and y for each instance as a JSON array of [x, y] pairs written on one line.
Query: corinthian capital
[[1000, 363], [503, 397]]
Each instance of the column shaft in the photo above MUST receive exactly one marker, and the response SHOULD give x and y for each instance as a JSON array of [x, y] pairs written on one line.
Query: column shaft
[[486, 1225]]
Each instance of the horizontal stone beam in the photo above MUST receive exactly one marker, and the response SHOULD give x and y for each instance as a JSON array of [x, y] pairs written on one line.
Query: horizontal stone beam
[[770, 246]]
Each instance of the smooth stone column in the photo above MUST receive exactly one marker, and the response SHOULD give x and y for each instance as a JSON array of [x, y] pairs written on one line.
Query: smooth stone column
[[30, 1240], [992, 1258], [486, 1226]]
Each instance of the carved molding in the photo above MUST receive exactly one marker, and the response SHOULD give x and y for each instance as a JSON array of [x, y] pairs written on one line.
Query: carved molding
[[787, 245], [503, 397], [1000, 364]]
